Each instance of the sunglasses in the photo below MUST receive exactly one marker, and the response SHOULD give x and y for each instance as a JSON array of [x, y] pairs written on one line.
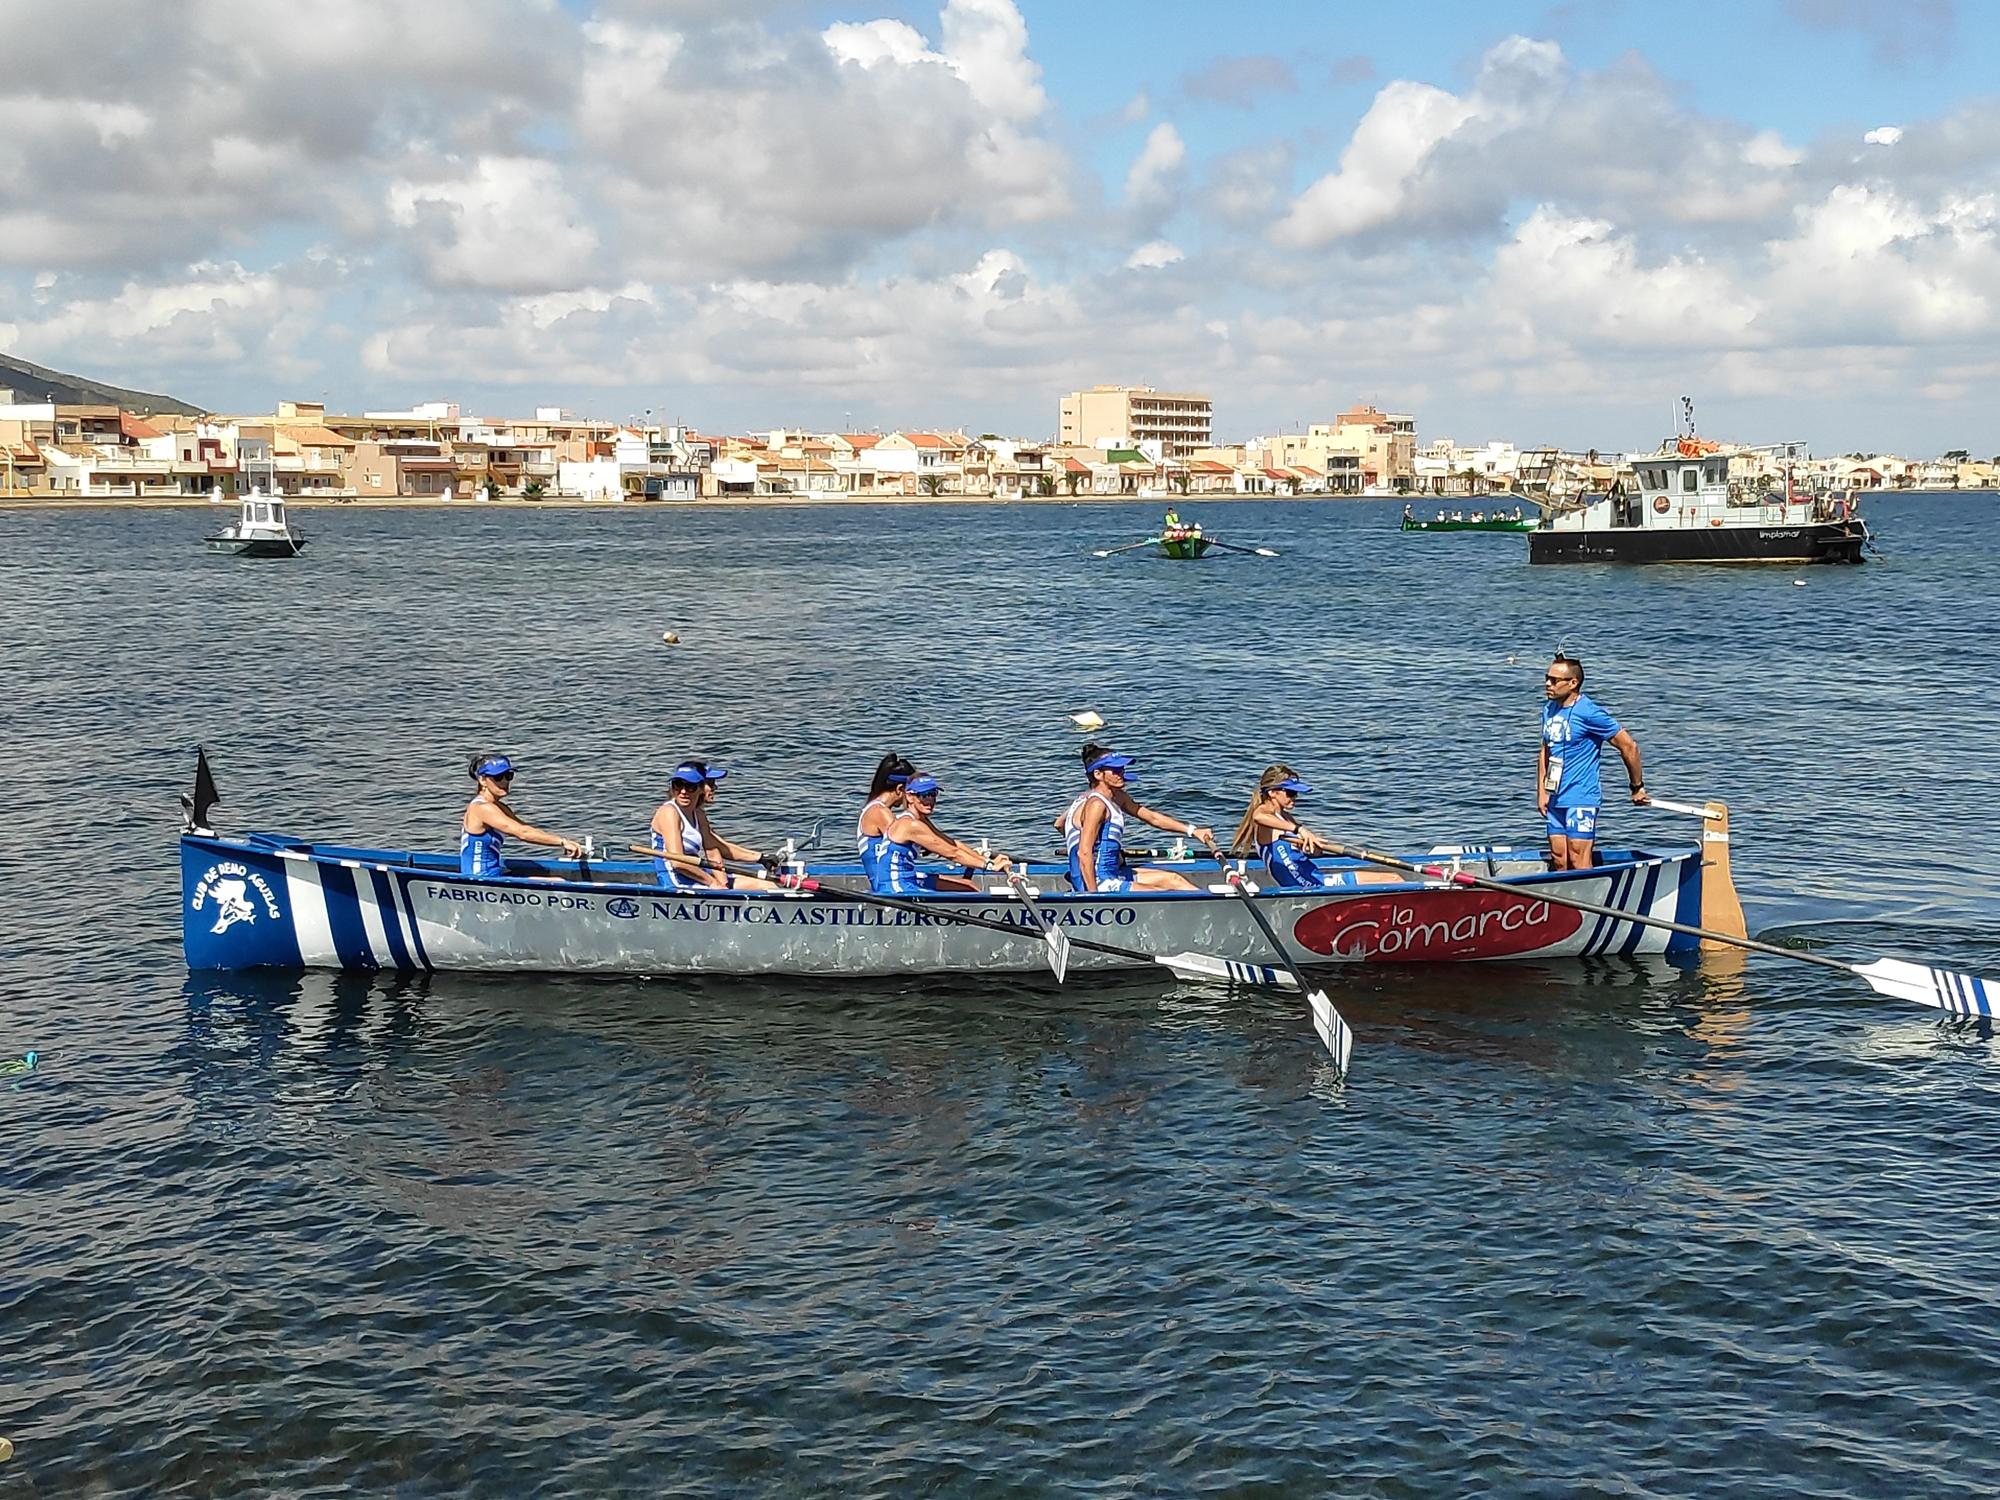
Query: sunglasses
[[1558, 681]]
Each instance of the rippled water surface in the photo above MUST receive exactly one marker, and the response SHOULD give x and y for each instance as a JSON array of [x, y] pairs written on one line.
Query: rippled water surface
[[1613, 1228]]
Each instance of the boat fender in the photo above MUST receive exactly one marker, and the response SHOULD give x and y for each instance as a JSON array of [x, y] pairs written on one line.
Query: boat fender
[[1662, 504]]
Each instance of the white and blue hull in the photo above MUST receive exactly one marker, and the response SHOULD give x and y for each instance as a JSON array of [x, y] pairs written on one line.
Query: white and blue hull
[[262, 901]]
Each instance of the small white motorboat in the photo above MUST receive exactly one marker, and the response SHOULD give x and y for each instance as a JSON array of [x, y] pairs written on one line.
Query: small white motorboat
[[259, 530]]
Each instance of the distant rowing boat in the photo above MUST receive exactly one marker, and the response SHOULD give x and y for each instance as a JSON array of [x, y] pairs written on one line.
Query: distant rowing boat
[[1483, 523]]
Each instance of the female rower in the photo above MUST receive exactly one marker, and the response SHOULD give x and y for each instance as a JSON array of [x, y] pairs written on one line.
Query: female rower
[[681, 827], [489, 821], [885, 800], [911, 830], [1094, 829], [1271, 827]]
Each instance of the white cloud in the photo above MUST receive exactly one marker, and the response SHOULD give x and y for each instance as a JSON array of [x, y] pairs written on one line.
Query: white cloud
[[1154, 181], [1153, 255], [1884, 135], [1401, 128], [504, 223]]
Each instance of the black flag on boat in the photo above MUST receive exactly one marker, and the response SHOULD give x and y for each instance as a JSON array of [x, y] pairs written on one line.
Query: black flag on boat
[[205, 795]]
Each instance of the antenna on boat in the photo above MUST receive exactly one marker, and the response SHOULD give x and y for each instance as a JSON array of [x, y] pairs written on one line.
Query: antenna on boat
[[1687, 416], [196, 806]]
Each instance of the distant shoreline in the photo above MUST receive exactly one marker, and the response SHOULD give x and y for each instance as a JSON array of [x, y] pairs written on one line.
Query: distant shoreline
[[515, 502]]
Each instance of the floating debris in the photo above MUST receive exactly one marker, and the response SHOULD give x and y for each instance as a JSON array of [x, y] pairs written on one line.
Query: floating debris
[[1087, 719], [6, 1450], [670, 638], [25, 1063], [1798, 583]]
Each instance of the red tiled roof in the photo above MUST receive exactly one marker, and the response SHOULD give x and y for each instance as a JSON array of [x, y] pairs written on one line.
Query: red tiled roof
[[1071, 466], [925, 439], [860, 441], [136, 427]]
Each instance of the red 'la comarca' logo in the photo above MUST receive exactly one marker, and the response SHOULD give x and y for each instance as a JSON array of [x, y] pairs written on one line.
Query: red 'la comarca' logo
[[1435, 925]]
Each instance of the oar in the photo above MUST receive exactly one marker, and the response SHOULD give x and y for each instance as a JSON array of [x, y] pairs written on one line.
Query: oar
[[1194, 966], [1899, 979], [1328, 1022], [1128, 547], [1053, 935], [1253, 551]]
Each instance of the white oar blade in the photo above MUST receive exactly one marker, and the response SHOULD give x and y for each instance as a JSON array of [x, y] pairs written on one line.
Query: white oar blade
[[1201, 966], [1058, 951], [1943, 989], [1332, 1028]]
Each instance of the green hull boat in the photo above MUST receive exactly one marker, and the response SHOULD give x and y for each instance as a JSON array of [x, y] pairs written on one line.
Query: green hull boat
[[1185, 548], [1526, 523]]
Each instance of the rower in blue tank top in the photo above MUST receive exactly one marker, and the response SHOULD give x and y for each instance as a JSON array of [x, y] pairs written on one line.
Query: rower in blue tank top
[[1271, 827], [489, 821], [681, 827], [1093, 830], [911, 829], [885, 800]]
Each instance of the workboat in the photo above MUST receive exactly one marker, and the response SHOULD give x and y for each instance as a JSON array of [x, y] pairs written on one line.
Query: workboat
[[259, 530], [1458, 520], [262, 900], [1682, 507]]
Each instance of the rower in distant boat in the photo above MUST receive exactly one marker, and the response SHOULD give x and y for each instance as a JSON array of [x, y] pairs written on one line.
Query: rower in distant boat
[[1093, 828], [1271, 829], [489, 821], [885, 801], [681, 826], [911, 830]]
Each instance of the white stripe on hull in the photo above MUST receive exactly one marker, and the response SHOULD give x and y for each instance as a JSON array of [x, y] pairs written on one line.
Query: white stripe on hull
[[309, 918]]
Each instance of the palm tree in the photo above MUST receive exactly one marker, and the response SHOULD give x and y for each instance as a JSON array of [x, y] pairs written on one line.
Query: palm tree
[[1074, 480], [1044, 485], [931, 484]]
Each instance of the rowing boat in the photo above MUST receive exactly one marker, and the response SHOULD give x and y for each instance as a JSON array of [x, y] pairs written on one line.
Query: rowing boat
[[1490, 523], [1185, 546], [261, 900]]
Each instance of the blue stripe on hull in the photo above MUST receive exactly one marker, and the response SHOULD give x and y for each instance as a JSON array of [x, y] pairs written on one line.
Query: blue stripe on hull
[[402, 883], [1644, 908], [343, 918], [392, 920]]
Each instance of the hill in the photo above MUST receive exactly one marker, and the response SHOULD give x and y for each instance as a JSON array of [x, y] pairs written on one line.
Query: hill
[[32, 383]]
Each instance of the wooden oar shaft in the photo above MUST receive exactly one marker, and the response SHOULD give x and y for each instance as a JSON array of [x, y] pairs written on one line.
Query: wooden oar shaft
[[1540, 892]]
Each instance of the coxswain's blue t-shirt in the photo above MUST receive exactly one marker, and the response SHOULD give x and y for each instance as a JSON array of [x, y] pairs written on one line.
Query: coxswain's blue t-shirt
[[1575, 737]]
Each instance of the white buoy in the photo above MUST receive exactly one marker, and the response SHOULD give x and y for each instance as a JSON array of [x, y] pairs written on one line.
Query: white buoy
[[6, 1450], [670, 638], [1087, 719], [1798, 583]]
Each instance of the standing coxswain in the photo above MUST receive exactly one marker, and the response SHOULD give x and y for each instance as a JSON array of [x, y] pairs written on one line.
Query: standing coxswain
[[1575, 730], [1093, 830], [489, 821]]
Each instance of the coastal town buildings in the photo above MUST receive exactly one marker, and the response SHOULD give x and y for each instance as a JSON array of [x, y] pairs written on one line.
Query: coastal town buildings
[[1180, 421], [435, 450]]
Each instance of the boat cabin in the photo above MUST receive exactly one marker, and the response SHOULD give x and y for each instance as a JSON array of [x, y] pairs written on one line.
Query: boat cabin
[[1686, 486], [261, 513]]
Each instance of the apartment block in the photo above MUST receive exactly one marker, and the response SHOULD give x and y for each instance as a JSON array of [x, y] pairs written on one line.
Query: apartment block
[[1179, 421]]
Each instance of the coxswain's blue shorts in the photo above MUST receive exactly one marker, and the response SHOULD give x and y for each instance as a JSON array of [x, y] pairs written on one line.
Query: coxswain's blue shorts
[[1572, 822], [1114, 885]]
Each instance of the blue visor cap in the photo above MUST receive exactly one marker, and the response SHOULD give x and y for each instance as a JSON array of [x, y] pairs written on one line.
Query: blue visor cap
[[499, 765], [716, 773], [1293, 785], [897, 778], [921, 786], [1111, 763], [691, 773]]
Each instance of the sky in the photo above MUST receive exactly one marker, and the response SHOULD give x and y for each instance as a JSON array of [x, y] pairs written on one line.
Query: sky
[[1533, 222]]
